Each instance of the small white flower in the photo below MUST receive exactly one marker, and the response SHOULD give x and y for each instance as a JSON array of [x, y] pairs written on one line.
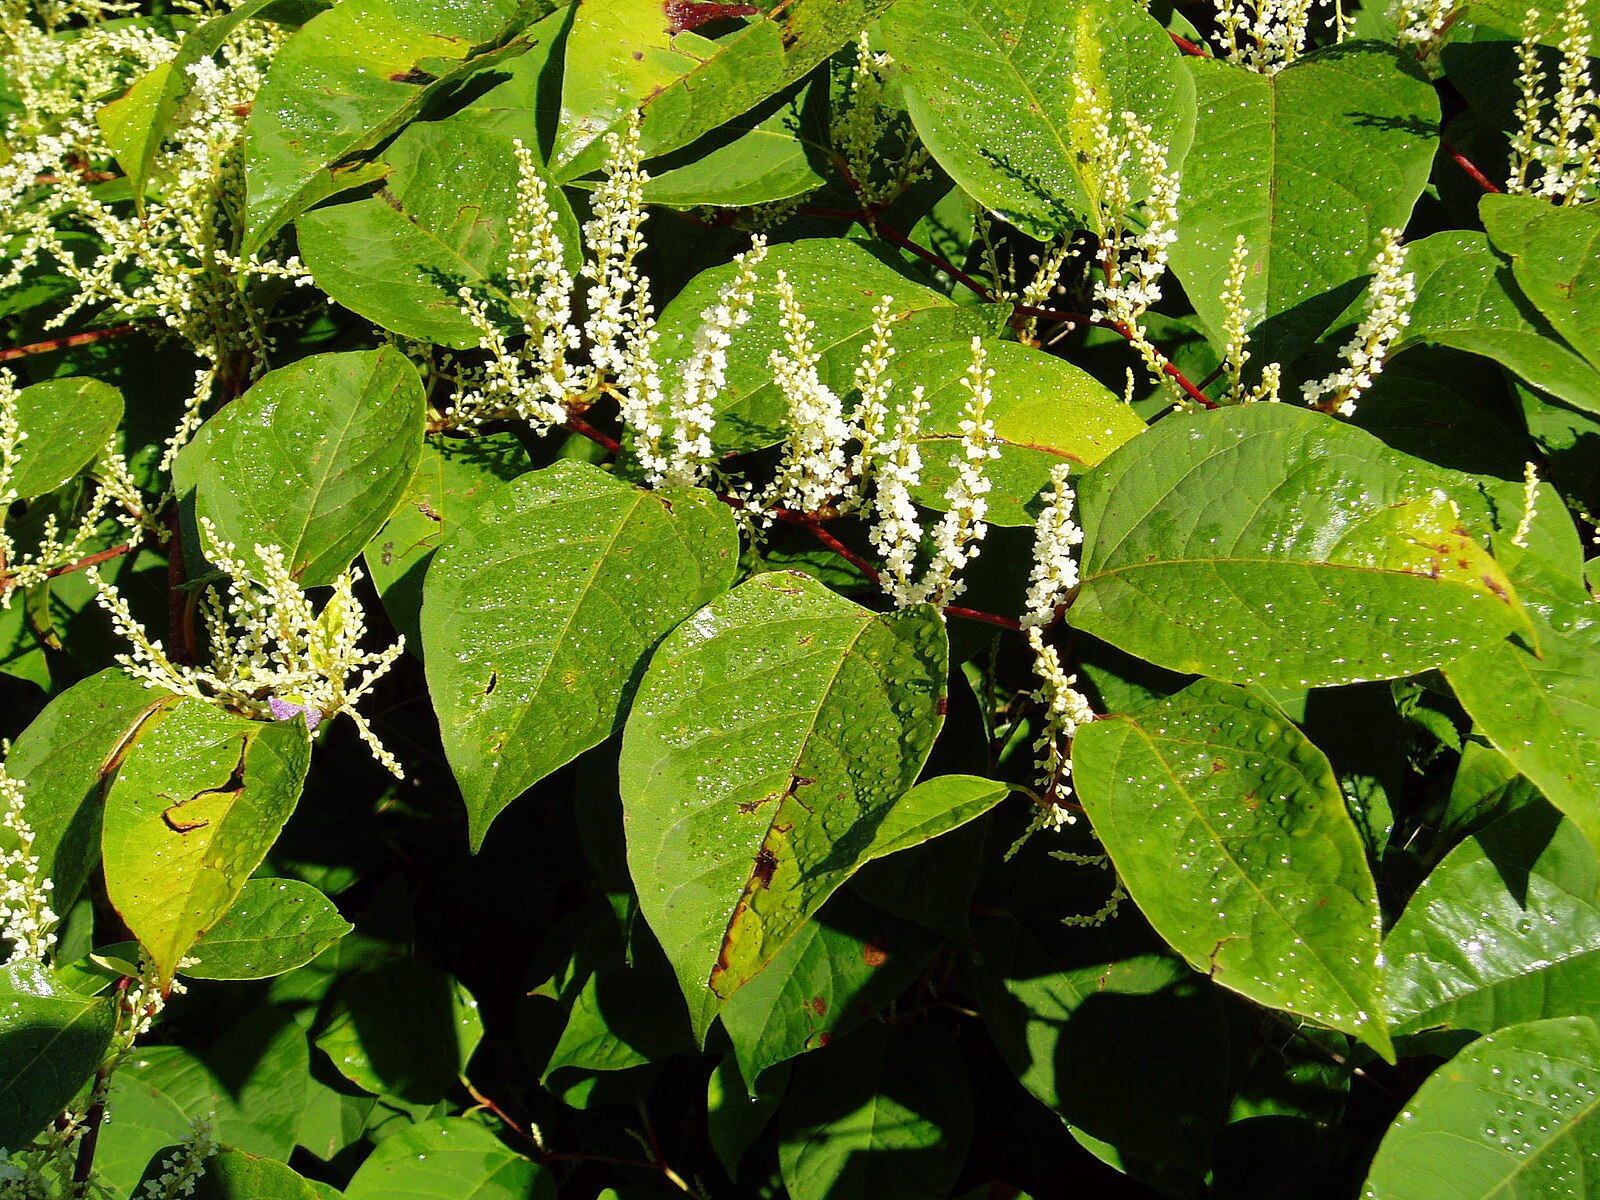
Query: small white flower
[[27, 921], [1390, 296]]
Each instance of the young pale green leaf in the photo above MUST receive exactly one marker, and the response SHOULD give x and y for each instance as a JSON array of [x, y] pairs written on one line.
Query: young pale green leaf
[[1045, 411], [1505, 930], [1542, 710], [65, 424], [404, 1030], [628, 54], [539, 611], [838, 283], [441, 221], [193, 809], [454, 477], [51, 1042], [1468, 300], [768, 755], [883, 1113], [1132, 1052], [313, 458], [992, 91], [1555, 255], [235, 1175], [1514, 1116], [350, 78], [274, 926], [1229, 831], [836, 972], [64, 757], [1310, 165], [1269, 544], [448, 1156]]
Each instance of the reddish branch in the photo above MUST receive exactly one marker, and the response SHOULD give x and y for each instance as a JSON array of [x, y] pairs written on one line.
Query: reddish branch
[[1188, 47], [579, 426], [1467, 165], [67, 342]]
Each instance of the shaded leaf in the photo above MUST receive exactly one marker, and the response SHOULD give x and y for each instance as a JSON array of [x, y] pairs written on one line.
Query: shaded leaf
[[51, 1043], [1555, 254]]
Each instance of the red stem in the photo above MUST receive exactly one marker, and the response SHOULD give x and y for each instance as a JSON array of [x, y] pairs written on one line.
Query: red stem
[[1467, 165], [580, 426], [1188, 47], [63, 343], [973, 614]]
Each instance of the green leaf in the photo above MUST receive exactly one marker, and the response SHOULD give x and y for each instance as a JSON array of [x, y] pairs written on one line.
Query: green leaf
[[235, 1175], [1542, 711], [441, 221], [313, 458], [195, 806], [1555, 255], [454, 477], [767, 757], [622, 55], [1045, 411], [65, 424], [734, 1118], [1506, 929], [758, 158], [1467, 299], [51, 1042], [448, 1157], [991, 88], [1514, 1116], [883, 1113], [838, 283], [1132, 1052], [1229, 831], [403, 1030], [347, 80], [539, 611], [840, 968], [252, 1083], [62, 758], [143, 1121], [274, 926], [1269, 544], [1310, 164]]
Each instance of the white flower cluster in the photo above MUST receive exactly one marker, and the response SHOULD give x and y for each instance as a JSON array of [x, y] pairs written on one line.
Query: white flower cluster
[[20, 1180], [1530, 497], [895, 467], [115, 497], [1236, 330], [1066, 709], [272, 654], [1133, 254], [1421, 24], [1055, 537], [181, 1171], [27, 921], [540, 385], [176, 260], [1555, 157], [1390, 296], [1263, 35]]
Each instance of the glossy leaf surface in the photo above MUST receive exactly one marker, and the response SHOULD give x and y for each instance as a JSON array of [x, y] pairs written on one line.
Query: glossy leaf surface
[[448, 1157], [1268, 544], [65, 424], [539, 612], [51, 1042], [274, 926], [1229, 830], [815, 717]]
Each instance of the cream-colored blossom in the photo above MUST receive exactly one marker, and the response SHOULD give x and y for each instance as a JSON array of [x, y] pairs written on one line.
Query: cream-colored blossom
[[1555, 156], [1056, 536], [272, 654], [1390, 295], [27, 922]]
